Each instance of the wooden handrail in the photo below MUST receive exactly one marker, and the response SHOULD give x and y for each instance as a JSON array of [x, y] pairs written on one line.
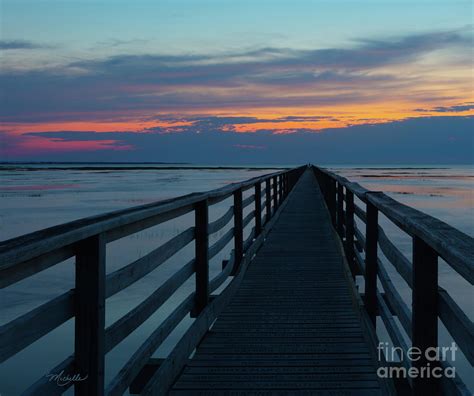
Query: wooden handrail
[[458, 324], [455, 247], [86, 239], [222, 221], [221, 243], [431, 238], [247, 201], [120, 329], [23, 248], [125, 276], [17, 335]]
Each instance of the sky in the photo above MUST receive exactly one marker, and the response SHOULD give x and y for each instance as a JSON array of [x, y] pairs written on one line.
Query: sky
[[224, 82]]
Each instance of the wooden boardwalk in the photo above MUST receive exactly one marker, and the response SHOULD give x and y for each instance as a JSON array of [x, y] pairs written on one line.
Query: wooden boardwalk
[[293, 325], [283, 315]]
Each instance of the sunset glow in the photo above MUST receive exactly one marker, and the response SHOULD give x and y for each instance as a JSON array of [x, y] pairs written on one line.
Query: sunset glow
[[62, 93]]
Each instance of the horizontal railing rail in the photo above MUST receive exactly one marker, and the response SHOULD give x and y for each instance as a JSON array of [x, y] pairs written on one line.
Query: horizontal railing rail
[[431, 238], [86, 241], [26, 255]]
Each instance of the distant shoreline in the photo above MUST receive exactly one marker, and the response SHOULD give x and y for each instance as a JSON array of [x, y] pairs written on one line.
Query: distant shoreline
[[91, 162], [124, 166], [17, 167]]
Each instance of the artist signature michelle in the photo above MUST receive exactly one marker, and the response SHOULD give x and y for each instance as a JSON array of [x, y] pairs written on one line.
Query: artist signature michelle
[[63, 379]]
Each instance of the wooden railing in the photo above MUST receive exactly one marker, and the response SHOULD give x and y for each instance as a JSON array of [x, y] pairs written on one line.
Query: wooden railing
[[431, 238], [86, 240]]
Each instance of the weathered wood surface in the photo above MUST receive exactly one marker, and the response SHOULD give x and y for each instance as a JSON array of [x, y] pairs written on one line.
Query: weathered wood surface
[[292, 325]]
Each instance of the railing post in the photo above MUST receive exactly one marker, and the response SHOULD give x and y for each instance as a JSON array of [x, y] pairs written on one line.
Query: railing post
[[350, 230], [268, 202], [424, 312], [89, 321], [275, 194], [238, 230], [258, 209], [371, 238], [340, 210], [201, 212]]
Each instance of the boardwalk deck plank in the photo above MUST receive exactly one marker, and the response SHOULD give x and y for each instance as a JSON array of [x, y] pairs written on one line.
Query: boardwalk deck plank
[[292, 325]]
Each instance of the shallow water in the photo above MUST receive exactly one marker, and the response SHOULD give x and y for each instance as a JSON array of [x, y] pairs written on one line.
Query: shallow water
[[32, 200]]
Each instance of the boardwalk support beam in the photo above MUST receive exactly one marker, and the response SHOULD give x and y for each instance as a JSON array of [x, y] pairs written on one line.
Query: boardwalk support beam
[[425, 312], [89, 337], [202, 256]]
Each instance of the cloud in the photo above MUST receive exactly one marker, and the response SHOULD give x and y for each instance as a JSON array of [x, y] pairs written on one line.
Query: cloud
[[365, 55], [20, 45], [206, 123], [449, 109], [256, 78], [423, 140], [416, 43]]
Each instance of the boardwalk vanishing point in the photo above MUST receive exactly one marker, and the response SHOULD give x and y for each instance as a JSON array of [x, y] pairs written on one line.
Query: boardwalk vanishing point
[[290, 319]]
